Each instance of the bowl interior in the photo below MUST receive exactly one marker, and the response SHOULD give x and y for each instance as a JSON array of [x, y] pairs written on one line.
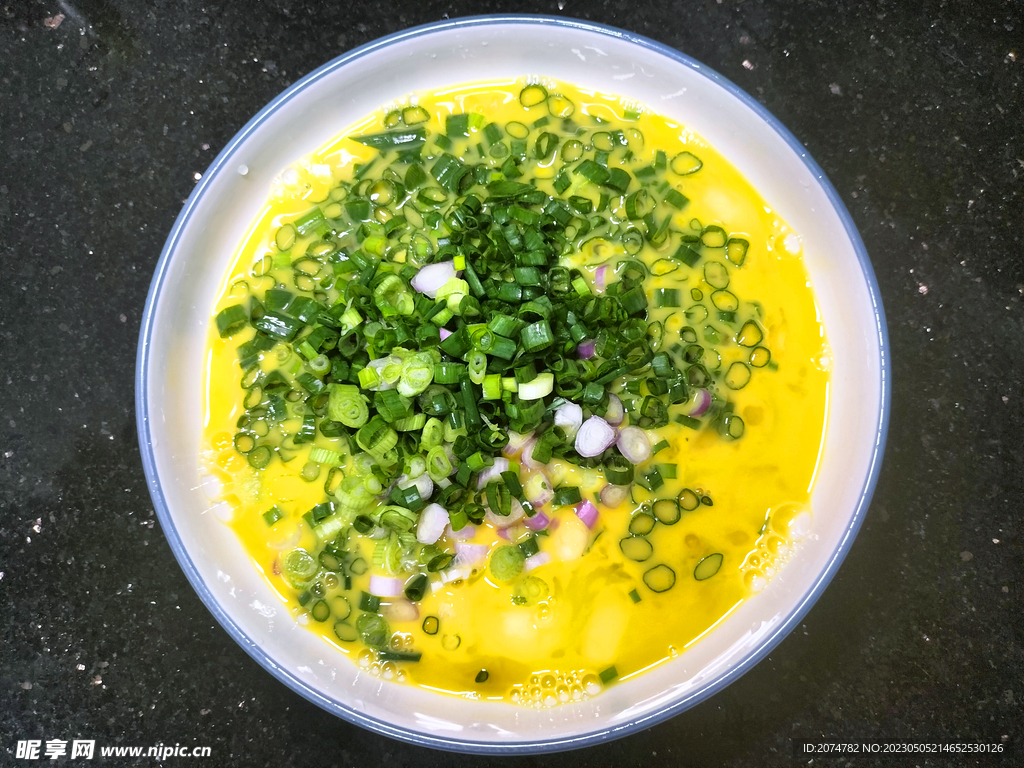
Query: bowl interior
[[315, 110]]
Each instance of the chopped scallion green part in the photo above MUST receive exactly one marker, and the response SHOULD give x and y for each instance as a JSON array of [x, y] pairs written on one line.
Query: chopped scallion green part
[[231, 320], [272, 515], [567, 495]]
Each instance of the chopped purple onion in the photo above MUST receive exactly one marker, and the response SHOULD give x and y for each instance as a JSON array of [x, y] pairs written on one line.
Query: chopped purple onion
[[527, 455], [465, 532], [615, 413], [538, 522], [432, 277], [538, 489], [515, 442], [587, 512], [613, 495], [569, 417], [469, 554], [702, 401], [595, 437], [536, 561], [634, 445], [386, 586], [492, 472]]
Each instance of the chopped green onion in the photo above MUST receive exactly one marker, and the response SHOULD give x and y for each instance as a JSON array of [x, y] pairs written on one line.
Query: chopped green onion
[[708, 567], [537, 336], [532, 95], [272, 515], [439, 466], [492, 388], [449, 373], [347, 405], [417, 374], [618, 470], [402, 139], [539, 387], [477, 366], [325, 456], [231, 320], [685, 163], [566, 495], [376, 437]]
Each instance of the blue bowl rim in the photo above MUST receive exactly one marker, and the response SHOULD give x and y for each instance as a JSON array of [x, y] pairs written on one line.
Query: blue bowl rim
[[530, 746]]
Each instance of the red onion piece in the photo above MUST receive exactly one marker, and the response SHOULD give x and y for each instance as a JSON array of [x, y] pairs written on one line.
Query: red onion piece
[[465, 532], [538, 522], [505, 521], [634, 445], [702, 401], [450, 453], [585, 350], [587, 512], [613, 495], [444, 332], [599, 278], [515, 442], [536, 561], [538, 489], [569, 417], [492, 472], [527, 455], [432, 277], [469, 554], [615, 413], [595, 437], [386, 586], [503, 533], [432, 523], [400, 610]]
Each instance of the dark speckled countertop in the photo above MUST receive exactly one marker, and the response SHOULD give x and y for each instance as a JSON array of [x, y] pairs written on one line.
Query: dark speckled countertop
[[108, 109]]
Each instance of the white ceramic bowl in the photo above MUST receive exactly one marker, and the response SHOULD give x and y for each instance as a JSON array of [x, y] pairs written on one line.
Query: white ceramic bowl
[[310, 113]]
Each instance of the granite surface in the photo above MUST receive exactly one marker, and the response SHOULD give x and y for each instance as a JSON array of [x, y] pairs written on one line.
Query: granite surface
[[108, 110]]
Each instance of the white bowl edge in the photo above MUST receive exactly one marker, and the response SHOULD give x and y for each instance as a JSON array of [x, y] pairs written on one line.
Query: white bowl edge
[[205, 239]]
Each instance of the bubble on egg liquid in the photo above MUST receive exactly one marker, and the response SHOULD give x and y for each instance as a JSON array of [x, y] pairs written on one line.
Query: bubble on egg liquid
[[787, 525], [387, 670], [549, 689]]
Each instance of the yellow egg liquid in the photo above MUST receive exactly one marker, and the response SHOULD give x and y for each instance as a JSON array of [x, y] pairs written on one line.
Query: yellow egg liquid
[[597, 614]]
